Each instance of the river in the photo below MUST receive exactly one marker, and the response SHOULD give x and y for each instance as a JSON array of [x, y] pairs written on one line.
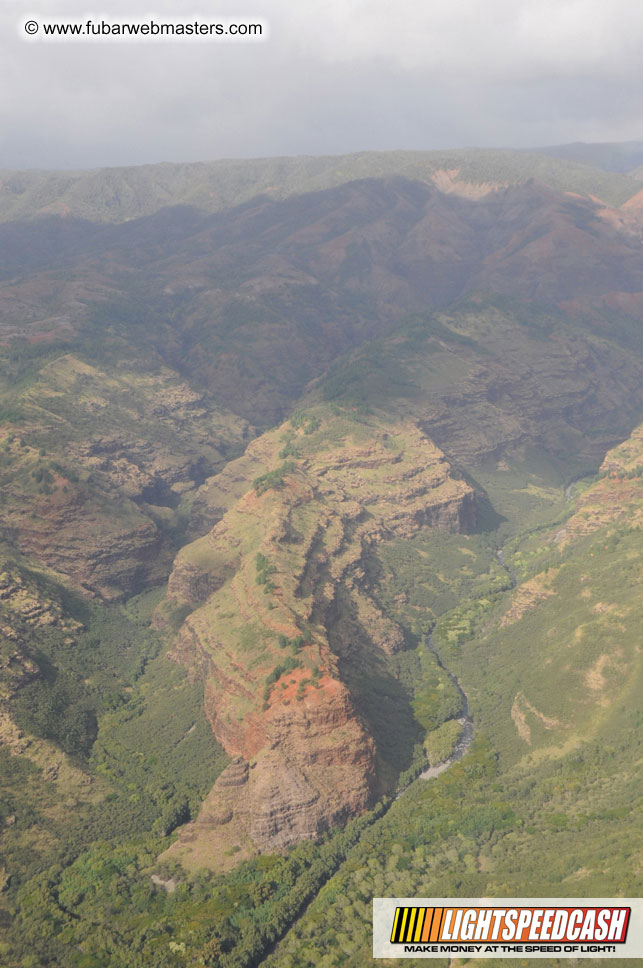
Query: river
[[465, 720]]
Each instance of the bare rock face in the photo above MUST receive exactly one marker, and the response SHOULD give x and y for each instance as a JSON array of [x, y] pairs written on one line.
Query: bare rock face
[[110, 556], [316, 770], [615, 496], [285, 560], [319, 769], [91, 482], [189, 584]]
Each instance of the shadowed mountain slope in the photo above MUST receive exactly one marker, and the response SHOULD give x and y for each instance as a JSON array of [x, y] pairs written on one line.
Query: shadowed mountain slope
[[119, 194], [285, 446], [253, 303], [229, 318]]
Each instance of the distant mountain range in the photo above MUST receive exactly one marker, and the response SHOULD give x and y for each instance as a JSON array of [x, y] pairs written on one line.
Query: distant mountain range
[[625, 157], [120, 194], [295, 454]]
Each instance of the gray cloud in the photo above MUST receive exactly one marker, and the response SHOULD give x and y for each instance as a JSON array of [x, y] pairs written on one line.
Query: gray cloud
[[337, 75]]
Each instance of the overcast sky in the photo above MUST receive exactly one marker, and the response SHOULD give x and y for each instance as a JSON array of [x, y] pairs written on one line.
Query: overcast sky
[[333, 76]]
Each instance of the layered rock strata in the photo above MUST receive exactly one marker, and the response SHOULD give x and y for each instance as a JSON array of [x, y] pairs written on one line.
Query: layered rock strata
[[268, 580]]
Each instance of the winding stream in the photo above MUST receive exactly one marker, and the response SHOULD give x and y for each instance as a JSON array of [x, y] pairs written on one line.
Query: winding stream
[[465, 720]]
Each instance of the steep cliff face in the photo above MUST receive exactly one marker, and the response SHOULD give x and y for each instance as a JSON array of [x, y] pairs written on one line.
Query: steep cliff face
[[313, 767], [489, 377], [615, 498], [95, 466], [108, 554], [559, 665], [285, 562]]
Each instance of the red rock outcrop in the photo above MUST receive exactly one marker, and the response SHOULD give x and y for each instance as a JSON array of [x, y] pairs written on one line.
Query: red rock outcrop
[[315, 769], [272, 575]]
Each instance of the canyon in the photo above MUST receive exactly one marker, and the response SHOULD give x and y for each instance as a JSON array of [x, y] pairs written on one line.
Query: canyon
[[303, 463]]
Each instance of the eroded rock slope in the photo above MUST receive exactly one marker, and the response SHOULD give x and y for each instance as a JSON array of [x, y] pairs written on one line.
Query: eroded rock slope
[[286, 562]]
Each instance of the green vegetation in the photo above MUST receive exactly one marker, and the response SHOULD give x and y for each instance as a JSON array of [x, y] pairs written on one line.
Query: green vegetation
[[113, 420], [160, 744], [221, 184], [547, 787], [301, 420], [264, 572], [441, 742], [264, 569], [435, 698], [280, 670], [432, 573], [142, 753], [83, 678], [375, 374], [274, 478], [294, 643], [220, 922]]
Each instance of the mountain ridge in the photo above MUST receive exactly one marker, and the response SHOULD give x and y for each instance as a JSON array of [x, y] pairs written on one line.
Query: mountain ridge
[[341, 419], [113, 195]]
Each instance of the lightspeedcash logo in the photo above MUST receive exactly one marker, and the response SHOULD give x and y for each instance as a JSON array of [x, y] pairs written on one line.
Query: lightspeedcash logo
[[515, 927]]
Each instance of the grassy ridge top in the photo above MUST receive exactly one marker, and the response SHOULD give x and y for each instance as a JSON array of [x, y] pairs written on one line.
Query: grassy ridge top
[[118, 194]]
